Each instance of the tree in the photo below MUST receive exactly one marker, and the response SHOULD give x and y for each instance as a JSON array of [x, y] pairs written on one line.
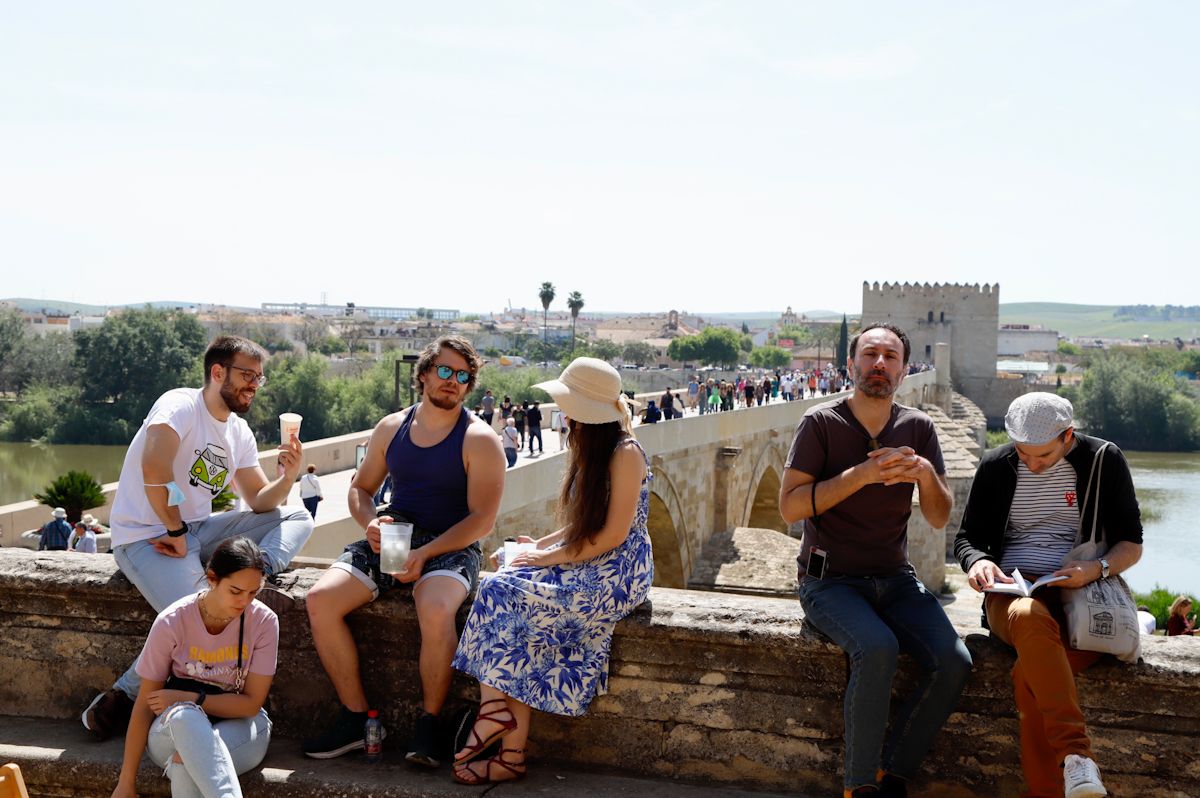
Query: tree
[[136, 356], [312, 331], [843, 343], [823, 335], [605, 349], [638, 352], [575, 303], [770, 357], [12, 336], [74, 491], [718, 346], [546, 294]]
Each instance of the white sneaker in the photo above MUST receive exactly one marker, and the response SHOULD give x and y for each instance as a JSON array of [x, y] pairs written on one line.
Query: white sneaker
[[1081, 778]]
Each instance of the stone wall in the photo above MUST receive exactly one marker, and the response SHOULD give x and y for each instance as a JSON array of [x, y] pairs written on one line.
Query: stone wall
[[706, 687]]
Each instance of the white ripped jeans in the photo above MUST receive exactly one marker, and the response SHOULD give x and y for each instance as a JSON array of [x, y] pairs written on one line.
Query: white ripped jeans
[[214, 751]]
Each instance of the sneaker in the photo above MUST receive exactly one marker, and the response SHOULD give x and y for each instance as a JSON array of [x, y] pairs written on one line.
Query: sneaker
[[891, 786], [108, 714], [1081, 778], [342, 737], [422, 748]]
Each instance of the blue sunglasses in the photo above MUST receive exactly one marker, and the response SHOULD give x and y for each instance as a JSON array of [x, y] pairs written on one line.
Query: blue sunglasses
[[463, 377]]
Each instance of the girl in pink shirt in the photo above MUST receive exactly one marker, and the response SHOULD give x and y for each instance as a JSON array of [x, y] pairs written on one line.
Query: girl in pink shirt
[[206, 669]]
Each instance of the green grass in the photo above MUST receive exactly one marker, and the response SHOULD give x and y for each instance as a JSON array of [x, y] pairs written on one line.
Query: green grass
[[1158, 601], [1093, 321]]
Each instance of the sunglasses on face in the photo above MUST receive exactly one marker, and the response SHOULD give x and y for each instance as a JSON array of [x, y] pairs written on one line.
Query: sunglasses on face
[[445, 372]]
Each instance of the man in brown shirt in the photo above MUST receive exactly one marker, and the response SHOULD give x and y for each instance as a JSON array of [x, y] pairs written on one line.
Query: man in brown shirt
[[850, 477]]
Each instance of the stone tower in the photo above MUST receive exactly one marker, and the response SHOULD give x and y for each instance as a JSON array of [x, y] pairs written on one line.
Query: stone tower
[[967, 317]]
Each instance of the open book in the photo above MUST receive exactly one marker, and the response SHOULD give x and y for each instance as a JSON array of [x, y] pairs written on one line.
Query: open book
[[1021, 586]]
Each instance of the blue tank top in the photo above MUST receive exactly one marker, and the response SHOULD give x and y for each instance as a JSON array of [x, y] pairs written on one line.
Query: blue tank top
[[429, 484]]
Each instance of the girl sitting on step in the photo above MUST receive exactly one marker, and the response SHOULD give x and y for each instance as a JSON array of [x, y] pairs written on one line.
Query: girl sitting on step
[[206, 669]]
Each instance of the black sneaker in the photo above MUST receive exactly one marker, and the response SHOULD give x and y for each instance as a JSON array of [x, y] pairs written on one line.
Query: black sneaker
[[343, 736], [422, 748], [108, 714]]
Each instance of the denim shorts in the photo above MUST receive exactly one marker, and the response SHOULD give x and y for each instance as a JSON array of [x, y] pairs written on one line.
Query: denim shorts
[[361, 562]]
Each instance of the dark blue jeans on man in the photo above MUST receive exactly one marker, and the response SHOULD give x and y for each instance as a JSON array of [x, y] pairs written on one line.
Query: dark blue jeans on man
[[873, 619]]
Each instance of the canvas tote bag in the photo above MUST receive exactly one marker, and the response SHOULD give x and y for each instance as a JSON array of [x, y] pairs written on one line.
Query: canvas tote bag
[[1101, 616]]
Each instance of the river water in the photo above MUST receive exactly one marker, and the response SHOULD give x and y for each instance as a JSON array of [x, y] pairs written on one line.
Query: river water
[[1168, 487]]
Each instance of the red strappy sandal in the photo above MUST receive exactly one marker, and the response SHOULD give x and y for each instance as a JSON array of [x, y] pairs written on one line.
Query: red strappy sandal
[[481, 744], [463, 773]]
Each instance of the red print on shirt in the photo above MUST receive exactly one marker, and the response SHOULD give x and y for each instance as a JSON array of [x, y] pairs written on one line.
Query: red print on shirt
[[1070, 497]]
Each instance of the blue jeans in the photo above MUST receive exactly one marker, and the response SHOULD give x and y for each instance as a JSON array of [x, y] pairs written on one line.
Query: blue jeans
[[873, 619], [163, 580], [511, 456], [214, 751]]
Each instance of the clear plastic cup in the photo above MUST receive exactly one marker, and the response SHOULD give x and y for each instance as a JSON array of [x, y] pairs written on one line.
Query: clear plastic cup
[[289, 424], [395, 541]]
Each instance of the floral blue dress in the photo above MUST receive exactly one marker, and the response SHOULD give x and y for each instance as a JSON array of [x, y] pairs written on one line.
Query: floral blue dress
[[543, 635]]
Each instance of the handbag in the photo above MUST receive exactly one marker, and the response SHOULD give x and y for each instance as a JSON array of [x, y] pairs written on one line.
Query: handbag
[[196, 686], [1101, 616]]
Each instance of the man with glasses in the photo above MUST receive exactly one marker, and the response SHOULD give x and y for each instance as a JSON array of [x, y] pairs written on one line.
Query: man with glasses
[[447, 470], [193, 445]]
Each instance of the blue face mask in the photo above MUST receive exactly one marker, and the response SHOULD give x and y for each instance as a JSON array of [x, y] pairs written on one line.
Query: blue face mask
[[175, 495]]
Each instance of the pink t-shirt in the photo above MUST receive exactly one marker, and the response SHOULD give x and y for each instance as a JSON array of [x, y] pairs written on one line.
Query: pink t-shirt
[[179, 643]]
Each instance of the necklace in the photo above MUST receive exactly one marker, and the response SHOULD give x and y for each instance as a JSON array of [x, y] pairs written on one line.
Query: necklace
[[209, 618]]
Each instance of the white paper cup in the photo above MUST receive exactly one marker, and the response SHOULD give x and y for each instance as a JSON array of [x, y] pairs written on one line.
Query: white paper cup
[[512, 550], [289, 423], [395, 540]]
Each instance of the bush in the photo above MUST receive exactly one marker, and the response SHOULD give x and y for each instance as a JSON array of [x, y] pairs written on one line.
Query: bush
[[1158, 601], [74, 491]]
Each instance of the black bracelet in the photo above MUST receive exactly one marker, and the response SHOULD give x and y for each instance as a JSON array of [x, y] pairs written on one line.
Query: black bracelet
[[200, 700], [176, 533]]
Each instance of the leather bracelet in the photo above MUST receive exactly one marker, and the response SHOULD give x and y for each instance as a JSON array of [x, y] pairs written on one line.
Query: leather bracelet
[[200, 699], [176, 533]]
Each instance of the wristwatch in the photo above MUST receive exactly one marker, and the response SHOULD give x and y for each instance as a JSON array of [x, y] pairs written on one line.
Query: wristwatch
[[175, 533], [1104, 571]]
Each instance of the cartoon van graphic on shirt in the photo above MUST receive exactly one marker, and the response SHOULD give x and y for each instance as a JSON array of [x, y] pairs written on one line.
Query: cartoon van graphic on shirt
[[211, 468]]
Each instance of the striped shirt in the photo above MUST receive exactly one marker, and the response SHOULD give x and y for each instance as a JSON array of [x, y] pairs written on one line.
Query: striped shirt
[[1043, 522]]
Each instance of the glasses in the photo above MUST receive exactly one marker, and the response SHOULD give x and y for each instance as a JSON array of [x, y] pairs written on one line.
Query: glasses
[[249, 375], [462, 376]]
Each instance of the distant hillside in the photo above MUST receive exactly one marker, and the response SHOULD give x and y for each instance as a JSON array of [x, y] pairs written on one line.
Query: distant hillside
[[1093, 321], [71, 308]]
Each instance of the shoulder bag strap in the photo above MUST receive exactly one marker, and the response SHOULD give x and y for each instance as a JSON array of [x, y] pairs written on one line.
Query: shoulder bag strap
[[1094, 475]]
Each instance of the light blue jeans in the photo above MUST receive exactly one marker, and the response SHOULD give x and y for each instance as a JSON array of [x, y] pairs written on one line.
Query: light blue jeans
[[163, 580], [873, 619], [213, 751]]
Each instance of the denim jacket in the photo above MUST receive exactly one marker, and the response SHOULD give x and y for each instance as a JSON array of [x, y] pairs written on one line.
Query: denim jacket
[[981, 533]]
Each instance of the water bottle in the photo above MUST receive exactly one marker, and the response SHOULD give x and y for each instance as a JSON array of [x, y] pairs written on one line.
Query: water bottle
[[373, 737]]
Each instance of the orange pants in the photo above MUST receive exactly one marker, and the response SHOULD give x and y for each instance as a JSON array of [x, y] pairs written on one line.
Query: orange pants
[[1044, 685]]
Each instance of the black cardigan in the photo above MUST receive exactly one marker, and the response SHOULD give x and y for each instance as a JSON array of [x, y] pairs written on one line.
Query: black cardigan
[[981, 533]]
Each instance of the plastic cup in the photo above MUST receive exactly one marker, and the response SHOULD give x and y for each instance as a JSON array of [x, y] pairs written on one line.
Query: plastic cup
[[289, 424], [395, 540]]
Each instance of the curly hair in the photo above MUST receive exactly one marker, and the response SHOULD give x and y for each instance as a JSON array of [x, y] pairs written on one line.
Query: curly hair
[[456, 343]]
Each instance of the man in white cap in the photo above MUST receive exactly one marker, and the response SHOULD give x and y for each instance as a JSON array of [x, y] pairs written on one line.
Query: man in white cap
[[56, 532], [1024, 512]]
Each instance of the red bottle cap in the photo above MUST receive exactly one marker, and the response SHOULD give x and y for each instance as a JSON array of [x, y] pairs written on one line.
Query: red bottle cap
[[372, 713]]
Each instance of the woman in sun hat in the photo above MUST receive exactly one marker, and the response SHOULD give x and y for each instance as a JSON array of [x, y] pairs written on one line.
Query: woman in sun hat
[[540, 629]]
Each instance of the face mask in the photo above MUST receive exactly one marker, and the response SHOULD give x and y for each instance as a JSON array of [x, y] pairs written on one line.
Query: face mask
[[175, 495]]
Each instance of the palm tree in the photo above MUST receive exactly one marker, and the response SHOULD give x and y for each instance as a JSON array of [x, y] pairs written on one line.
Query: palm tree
[[575, 303], [547, 296]]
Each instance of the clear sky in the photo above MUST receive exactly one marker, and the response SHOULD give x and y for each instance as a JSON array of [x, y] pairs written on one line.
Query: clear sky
[[702, 156]]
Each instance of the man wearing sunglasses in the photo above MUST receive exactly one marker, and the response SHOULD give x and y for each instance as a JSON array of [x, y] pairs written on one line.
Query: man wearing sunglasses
[[193, 445], [447, 469]]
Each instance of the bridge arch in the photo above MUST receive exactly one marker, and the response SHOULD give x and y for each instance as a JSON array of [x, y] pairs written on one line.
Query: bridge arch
[[668, 533], [761, 508]]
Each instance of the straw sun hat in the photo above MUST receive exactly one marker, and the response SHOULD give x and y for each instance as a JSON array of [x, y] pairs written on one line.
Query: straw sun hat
[[589, 391]]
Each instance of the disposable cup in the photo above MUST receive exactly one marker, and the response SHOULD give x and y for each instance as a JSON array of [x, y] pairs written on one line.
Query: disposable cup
[[512, 550], [289, 423], [395, 541]]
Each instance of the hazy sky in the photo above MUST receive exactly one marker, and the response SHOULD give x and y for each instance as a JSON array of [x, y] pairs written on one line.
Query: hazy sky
[[702, 156]]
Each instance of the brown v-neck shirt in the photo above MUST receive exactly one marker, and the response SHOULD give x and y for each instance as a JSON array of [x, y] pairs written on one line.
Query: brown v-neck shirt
[[867, 533]]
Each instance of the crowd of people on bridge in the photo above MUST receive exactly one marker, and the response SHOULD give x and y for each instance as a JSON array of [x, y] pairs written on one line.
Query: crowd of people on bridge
[[539, 631]]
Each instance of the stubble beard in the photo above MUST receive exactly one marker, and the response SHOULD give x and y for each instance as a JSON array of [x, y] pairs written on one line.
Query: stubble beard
[[443, 402], [233, 397], [876, 389]]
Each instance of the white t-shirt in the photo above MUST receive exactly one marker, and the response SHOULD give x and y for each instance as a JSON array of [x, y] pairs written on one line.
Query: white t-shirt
[[309, 486], [210, 453]]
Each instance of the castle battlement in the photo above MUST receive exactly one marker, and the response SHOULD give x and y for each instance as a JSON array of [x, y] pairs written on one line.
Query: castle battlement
[[935, 291]]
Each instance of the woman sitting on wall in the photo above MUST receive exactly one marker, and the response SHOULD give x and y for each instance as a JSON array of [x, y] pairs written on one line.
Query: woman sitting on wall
[[206, 669], [539, 632]]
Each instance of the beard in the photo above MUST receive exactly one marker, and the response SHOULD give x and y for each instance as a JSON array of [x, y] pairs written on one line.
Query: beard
[[442, 400], [874, 384], [233, 396]]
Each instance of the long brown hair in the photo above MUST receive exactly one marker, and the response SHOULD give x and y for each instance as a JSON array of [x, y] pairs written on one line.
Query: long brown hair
[[583, 504]]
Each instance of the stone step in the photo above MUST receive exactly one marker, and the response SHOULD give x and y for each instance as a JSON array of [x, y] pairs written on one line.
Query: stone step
[[59, 760]]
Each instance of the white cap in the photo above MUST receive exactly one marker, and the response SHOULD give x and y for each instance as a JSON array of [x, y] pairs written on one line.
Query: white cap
[[1038, 418]]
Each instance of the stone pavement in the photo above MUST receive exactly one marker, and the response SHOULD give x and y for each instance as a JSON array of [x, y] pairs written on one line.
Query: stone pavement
[[64, 763]]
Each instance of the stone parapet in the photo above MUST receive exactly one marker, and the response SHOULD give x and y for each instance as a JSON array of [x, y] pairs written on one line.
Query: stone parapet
[[709, 687]]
